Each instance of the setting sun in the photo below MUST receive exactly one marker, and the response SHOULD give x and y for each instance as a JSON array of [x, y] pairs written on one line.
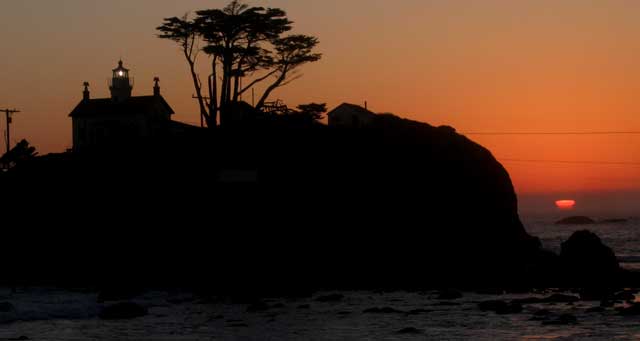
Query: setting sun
[[566, 204]]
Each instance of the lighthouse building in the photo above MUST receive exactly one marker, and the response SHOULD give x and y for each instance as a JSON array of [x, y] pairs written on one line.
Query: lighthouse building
[[120, 120]]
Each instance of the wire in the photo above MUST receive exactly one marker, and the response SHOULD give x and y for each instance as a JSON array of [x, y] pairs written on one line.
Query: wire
[[614, 163], [558, 133]]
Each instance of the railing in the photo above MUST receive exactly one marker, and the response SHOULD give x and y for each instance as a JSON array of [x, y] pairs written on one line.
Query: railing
[[131, 82], [277, 107]]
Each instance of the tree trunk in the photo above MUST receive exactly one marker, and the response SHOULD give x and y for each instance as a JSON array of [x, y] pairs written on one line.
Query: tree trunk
[[271, 88], [236, 85], [213, 93], [223, 91]]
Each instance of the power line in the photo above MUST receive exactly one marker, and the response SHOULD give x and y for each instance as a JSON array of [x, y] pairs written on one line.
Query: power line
[[558, 133], [613, 163]]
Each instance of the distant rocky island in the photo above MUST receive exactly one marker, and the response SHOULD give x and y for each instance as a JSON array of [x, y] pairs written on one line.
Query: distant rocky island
[[582, 220], [576, 220]]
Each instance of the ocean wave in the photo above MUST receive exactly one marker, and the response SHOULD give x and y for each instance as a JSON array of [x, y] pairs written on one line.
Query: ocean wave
[[629, 259]]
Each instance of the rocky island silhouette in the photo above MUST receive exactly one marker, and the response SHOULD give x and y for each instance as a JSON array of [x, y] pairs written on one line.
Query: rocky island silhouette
[[395, 204], [263, 200]]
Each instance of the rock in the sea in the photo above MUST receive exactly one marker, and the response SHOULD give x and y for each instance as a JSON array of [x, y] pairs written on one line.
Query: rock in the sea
[[491, 291], [586, 261], [258, 307], [501, 307], [6, 307], [446, 304], [409, 331], [564, 319], [595, 310], [632, 310], [123, 311], [561, 298], [627, 296], [449, 294], [542, 312], [418, 311], [385, 310], [555, 298], [330, 298], [595, 294], [541, 315], [118, 294], [577, 220]]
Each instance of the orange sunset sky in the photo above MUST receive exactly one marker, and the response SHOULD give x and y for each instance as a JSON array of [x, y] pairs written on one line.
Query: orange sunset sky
[[479, 66]]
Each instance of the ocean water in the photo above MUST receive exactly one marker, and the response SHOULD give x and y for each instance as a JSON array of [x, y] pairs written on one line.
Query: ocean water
[[52, 314]]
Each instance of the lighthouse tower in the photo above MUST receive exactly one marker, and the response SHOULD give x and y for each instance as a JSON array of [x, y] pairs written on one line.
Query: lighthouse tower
[[120, 84]]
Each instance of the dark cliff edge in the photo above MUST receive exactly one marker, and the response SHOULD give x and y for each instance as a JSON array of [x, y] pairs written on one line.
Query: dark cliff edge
[[283, 205]]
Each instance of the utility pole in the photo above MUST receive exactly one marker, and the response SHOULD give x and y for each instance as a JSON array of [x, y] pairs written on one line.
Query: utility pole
[[201, 114], [8, 113]]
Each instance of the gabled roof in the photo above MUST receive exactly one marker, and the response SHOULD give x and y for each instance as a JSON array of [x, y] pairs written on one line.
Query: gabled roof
[[131, 106], [347, 107]]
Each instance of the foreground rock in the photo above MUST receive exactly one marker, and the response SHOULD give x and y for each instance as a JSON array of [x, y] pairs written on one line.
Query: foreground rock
[[587, 262], [410, 331], [385, 310], [449, 294], [122, 311], [564, 319], [555, 298], [501, 307], [633, 310], [330, 298], [467, 203], [6, 307]]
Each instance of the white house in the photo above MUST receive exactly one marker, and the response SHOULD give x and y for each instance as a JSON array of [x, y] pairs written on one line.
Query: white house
[[350, 115]]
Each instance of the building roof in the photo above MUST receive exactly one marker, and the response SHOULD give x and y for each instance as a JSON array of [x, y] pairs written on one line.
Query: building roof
[[131, 106], [351, 108]]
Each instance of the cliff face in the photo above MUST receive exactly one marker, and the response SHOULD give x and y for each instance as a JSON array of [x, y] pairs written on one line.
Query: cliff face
[[398, 204]]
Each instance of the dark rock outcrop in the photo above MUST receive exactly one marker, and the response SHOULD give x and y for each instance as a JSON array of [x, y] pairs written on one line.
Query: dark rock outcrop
[[122, 311], [587, 262], [554, 298], [564, 319], [501, 307], [632, 310], [399, 204], [410, 331], [118, 294], [330, 298], [385, 310], [6, 307], [449, 294]]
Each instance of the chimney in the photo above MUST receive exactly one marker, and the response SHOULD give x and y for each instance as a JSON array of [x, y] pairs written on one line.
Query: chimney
[[86, 95], [366, 107], [156, 87]]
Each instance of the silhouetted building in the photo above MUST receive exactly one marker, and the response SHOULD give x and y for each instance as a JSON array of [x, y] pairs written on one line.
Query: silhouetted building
[[350, 115], [121, 119]]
